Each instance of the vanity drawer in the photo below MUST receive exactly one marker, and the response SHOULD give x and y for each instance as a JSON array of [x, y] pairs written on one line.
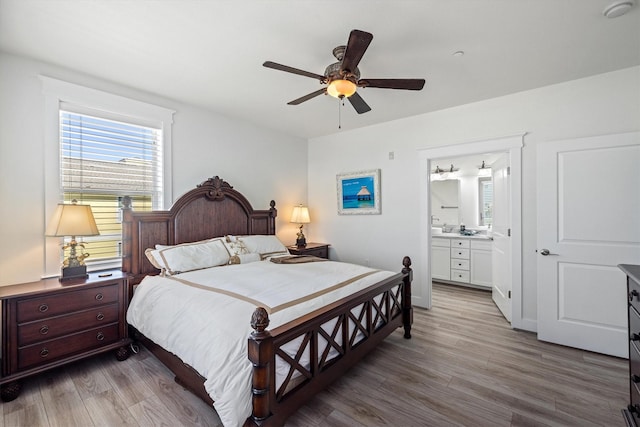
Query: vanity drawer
[[43, 307], [460, 253], [443, 243], [55, 327], [460, 264], [460, 243], [48, 351], [460, 276]]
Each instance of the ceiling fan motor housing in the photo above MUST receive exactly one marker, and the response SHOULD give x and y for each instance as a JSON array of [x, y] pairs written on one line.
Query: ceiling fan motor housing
[[333, 72]]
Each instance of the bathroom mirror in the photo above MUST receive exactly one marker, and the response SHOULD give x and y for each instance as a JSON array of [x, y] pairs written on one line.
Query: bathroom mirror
[[445, 202]]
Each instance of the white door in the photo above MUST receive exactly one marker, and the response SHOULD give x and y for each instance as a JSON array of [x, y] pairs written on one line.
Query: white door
[[588, 223], [501, 261]]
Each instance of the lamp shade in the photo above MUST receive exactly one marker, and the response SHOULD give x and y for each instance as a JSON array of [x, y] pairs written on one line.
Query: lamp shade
[[72, 220], [340, 88], [300, 215]]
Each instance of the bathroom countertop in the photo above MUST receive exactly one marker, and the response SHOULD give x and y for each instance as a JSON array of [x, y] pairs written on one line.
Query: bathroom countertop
[[462, 236]]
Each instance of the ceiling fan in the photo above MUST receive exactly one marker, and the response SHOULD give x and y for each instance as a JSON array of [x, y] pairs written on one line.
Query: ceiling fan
[[343, 77]]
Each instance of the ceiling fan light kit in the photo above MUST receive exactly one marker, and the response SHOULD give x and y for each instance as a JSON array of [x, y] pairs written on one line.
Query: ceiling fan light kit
[[341, 88], [343, 77]]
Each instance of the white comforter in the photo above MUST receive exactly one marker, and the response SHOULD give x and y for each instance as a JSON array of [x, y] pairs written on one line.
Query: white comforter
[[203, 316]]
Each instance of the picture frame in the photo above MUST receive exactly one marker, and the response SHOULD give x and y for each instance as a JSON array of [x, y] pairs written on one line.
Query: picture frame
[[359, 193]]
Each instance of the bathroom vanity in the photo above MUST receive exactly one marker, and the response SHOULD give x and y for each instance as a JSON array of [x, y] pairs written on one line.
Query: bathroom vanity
[[459, 259]]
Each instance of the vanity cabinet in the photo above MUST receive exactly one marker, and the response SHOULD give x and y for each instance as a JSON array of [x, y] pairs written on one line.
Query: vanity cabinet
[[440, 259], [462, 260], [481, 262]]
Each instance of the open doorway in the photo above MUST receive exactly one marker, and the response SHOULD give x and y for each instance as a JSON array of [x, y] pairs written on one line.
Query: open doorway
[[463, 209], [510, 149]]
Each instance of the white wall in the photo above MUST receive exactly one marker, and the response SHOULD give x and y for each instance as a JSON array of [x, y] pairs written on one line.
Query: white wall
[[603, 104], [260, 163]]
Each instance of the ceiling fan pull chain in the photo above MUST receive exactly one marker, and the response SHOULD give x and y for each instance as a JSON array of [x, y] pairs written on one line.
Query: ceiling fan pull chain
[[340, 104]]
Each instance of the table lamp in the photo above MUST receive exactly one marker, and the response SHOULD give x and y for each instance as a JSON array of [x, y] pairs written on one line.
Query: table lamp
[[73, 220], [300, 216]]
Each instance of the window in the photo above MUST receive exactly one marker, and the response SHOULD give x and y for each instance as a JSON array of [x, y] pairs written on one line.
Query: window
[[100, 147], [486, 200], [102, 160]]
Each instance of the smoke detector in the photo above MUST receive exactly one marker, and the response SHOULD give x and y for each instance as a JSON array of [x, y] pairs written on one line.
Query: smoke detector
[[617, 8]]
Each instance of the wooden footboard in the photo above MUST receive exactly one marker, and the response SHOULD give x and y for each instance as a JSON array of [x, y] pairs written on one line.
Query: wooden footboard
[[334, 338]]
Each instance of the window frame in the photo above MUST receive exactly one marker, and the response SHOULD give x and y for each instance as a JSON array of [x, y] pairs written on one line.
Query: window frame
[[481, 217], [57, 93]]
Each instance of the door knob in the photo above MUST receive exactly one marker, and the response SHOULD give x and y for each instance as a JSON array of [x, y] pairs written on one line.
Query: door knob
[[545, 252]]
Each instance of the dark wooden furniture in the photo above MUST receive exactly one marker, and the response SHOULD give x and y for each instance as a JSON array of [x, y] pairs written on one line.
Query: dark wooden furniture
[[49, 323], [321, 250], [632, 412], [362, 320]]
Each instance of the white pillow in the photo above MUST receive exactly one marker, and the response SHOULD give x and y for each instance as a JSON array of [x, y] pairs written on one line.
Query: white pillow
[[264, 245], [194, 256], [153, 255]]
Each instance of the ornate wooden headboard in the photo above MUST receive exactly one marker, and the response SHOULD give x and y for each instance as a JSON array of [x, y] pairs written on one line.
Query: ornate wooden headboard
[[212, 209]]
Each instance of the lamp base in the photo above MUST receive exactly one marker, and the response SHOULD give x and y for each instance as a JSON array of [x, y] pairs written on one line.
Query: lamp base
[[69, 273], [301, 242]]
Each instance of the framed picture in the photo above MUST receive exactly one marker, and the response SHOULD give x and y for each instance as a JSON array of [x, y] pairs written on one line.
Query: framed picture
[[359, 192]]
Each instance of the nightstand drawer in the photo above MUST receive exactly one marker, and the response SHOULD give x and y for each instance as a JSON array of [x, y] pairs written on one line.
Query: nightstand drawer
[[55, 327], [48, 351], [319, 252], [48, 306]]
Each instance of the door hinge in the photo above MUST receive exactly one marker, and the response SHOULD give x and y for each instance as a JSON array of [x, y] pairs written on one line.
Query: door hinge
[[509, 294], [508, 232], [508, 170]]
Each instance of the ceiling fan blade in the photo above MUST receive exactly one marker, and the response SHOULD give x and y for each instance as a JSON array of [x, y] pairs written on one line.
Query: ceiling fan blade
[[408, 84], [358, 103], [292, 70], [307, 97], [356, 46]]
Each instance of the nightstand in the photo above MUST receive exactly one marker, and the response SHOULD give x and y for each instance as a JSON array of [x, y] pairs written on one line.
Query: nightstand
[[48, 323], [321, 250]]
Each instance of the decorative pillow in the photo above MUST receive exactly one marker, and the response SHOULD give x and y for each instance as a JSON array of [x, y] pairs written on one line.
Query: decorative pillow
[[194, 256], [244, 258], [264, 245], [235, 246]]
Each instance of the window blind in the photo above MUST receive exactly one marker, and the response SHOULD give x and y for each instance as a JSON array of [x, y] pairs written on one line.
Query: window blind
[[103, 160]]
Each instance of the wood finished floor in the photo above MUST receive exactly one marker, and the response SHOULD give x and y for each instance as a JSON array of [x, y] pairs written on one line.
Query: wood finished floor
[[464, 366]]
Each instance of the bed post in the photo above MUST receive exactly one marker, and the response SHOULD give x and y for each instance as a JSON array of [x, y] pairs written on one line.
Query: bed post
[[407, 308], [260, 355]]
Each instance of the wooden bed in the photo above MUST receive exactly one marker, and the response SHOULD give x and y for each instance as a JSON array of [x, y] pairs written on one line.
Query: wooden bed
[[215, 209]]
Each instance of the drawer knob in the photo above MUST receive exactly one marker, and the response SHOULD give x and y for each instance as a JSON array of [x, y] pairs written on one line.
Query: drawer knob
[[43, 308], [44, 330], [100, 336], [633, 294], [100, 316], [99, 297], [635, 378], [44, 352], [634, 337]]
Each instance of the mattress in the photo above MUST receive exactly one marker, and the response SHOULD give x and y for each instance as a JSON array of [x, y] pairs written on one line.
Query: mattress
[[203, 316]]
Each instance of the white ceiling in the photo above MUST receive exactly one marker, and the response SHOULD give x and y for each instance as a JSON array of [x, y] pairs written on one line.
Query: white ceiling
[[210, 53]]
